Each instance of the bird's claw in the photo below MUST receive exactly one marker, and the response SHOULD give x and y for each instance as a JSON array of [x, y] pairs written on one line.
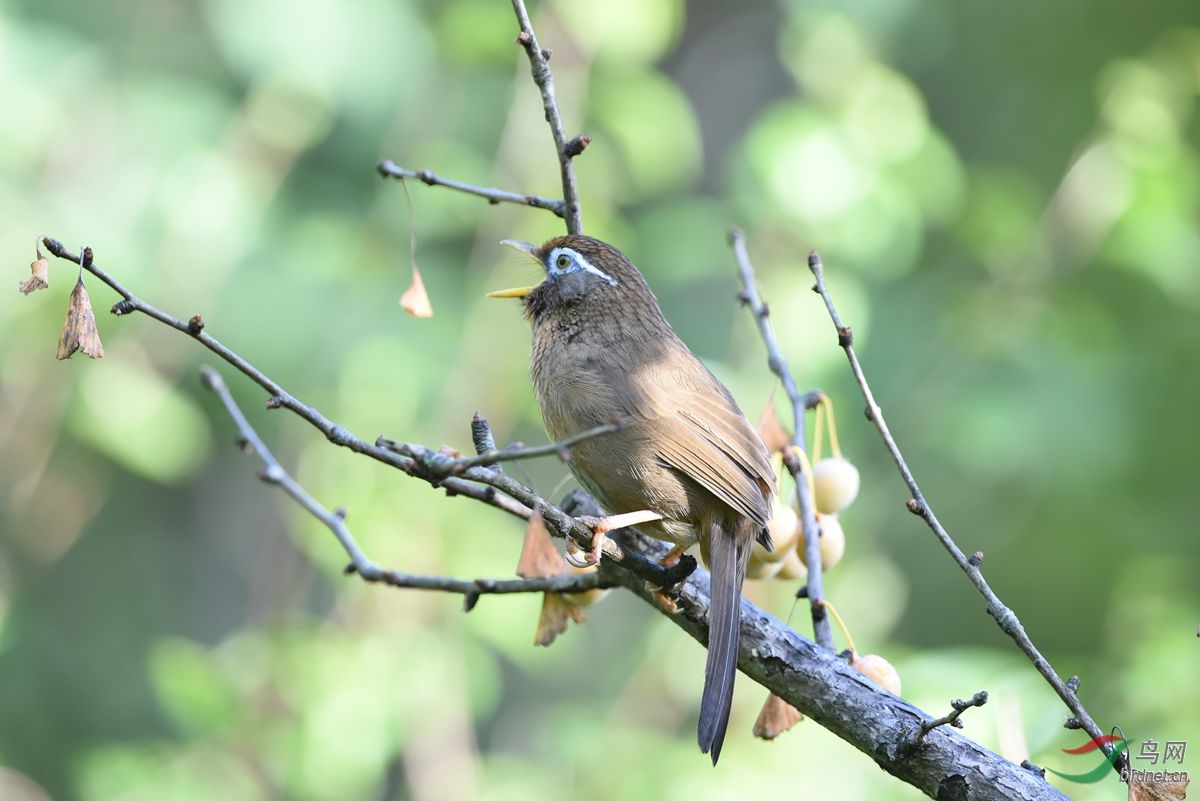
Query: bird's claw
[[602, 525], [576, 556], [661, 597]]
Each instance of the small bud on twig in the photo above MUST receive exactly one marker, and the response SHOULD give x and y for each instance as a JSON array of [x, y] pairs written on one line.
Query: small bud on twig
[[576, 146]]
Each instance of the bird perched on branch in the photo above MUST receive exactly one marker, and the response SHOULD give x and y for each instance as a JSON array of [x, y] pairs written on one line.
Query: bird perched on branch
[[685, 464]]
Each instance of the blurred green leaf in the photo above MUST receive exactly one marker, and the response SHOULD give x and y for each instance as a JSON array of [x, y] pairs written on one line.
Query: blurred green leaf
[[650, 121], [136, 418], [191, 688], [624, 33]]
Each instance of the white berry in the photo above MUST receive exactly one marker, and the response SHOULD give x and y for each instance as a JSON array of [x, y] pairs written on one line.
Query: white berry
[[835, 482]]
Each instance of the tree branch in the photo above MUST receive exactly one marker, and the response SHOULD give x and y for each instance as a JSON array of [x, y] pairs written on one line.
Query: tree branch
[[497, 488], [539, 65], [565, 149], [943, 765], [954, 717], [279, 397], [434, 467], [388, 169], [800, 403], [1004, 617], [811, 678], [274, 473], [455, 465]]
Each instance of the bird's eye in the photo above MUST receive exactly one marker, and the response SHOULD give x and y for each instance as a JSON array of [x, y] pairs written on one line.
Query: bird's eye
[[563, 261]]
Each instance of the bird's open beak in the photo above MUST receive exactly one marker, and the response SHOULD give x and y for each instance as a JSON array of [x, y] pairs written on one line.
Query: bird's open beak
[[520, 291]]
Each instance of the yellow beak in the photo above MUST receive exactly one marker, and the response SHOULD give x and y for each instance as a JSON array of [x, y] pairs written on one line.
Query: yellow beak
[[515, 292], [520, 291]]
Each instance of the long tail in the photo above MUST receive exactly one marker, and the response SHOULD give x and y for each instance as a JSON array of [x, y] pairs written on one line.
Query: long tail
[[728, 554]]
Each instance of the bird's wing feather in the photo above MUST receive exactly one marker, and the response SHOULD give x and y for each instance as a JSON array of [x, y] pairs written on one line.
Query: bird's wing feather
[[707, 437]]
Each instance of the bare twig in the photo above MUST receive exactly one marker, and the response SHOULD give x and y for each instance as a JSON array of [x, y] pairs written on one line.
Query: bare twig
[[274, 473], [565, 149], [800, 403], [279, 397], [953, 718], [388, 169], [539, 64], [434, 467], [455, 465], [1005, 617], [497, 488]]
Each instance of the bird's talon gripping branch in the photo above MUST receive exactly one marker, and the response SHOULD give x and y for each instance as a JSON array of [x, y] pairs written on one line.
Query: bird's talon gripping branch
[[600, 526], [661, 597], [672, 556], [662, 594], [576, 556]]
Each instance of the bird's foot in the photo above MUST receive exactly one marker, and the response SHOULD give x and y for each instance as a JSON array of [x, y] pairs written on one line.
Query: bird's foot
[[661, 598], [671, 558], [661, 594], [600, 526]]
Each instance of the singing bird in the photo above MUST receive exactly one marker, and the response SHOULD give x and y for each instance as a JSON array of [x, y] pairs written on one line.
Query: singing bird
[[685, 460]]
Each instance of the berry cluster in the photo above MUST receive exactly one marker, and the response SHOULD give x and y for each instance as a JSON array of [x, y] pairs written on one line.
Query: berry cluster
[[833, 483]]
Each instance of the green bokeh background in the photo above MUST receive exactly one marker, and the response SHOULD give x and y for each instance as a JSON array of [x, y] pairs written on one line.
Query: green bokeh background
[[1007, 199]]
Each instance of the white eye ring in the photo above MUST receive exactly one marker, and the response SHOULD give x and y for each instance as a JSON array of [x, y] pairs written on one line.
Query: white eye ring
[[566, 260]]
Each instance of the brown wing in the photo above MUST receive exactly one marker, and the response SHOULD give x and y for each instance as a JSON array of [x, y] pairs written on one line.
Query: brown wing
[[706, 436]]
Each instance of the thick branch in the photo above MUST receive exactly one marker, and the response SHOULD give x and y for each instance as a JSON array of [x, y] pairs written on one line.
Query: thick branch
[[564, 149], [800, 403], [388, 169], [944, 765], [1005, 618]]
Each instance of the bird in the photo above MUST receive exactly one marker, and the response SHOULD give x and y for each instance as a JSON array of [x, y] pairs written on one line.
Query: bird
[[684, 462]]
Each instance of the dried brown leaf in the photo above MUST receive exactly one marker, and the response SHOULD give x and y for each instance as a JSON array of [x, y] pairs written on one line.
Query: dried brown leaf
[[40, 279], [539, 557], [776, 717], [556, 611], [79, 328], [773, 434], [415, 300], [1141, 790]]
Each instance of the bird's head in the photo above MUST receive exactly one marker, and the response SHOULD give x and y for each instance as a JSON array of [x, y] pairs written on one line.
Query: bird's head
[[579, 269]]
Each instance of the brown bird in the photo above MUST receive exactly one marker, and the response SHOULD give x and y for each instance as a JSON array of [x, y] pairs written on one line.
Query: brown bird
[[685, 457]]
